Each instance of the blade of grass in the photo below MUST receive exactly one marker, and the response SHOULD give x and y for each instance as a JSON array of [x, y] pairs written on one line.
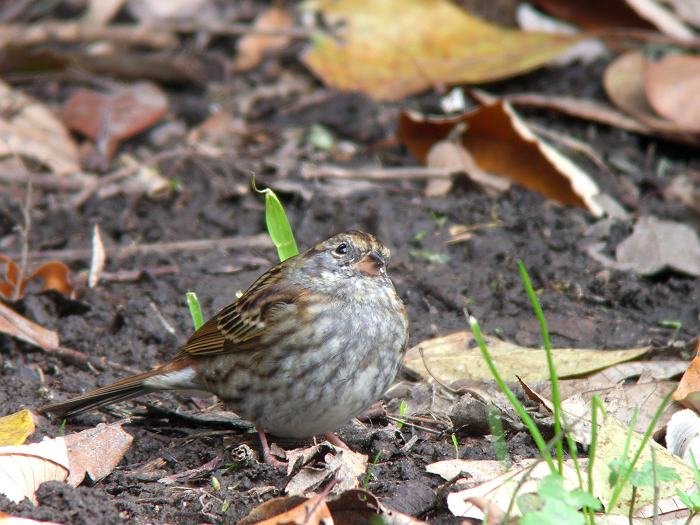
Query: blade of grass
[[645, 439], [556, 397], [278, 225], [517, 405], [195, 309]]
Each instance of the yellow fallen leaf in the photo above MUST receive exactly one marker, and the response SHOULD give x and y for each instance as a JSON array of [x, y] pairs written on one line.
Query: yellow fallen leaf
[[15, 428], [456, 356], [393, 48]]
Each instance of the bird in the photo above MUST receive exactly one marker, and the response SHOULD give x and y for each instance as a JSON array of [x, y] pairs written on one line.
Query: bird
[[311, 344]]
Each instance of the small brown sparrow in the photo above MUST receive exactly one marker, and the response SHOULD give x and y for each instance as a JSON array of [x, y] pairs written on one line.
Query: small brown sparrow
[[311, 344]]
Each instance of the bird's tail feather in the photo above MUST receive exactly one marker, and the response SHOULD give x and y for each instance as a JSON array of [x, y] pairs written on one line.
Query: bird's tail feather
[[127, 388]]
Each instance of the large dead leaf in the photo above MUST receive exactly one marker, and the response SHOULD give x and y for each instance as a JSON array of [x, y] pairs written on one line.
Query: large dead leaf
[[110, 118], [393, 48], [502, 144], [672, 86], [456, 356], [30, 129], [22, 328], [252, 47], [15, 428]]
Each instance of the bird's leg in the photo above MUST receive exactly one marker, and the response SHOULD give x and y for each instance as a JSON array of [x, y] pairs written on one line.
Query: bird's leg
[[267, 456], [335, 440]]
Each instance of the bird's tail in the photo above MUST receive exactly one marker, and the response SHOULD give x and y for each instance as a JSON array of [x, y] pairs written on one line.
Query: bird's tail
[[174, 375]]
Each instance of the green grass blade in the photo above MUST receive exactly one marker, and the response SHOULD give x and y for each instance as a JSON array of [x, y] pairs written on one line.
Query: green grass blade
[[517, 405], [556, 397], [278, 225], [195, 309]]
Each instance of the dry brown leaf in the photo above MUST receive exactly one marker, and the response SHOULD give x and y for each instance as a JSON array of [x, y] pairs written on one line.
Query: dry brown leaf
[[16, 428], [453, 156], [30, 129], [96, 451], [110, 118], [292, 510], [253, 47], [13, 324], [502, 489], [394, 48], [455, 357], [616, 14], [656, 245], [360, 506], [672, 86], [315, 466], [624, 84], [23, 468], [54, 274], [688, 391], [502, 144]]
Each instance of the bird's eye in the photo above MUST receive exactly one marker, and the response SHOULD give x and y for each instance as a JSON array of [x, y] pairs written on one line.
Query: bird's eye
[[341, 249]]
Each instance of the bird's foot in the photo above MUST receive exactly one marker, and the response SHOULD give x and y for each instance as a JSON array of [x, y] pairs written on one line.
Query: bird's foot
[[267, 454], [335, 440]]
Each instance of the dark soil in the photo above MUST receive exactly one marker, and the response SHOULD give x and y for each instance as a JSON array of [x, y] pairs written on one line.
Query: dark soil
[[586, 304]]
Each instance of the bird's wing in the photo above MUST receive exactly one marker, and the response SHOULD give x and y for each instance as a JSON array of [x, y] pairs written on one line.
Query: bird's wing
[[240, 326]]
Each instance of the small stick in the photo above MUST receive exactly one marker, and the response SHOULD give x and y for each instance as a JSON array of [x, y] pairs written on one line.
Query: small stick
[[239, 29], [376, 173], [119, 252]]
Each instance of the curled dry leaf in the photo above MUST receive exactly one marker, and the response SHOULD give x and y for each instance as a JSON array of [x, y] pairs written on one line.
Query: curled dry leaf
[[54, 274], [688, 391], [500, 490], [672, 86], [602, 14], [502, 144], [315, 466], [252, 47], [292, 510], [110, 118], [30, 129], [15, 428], [23, 468], [98, 259], [13, 324], [455, 356], [394, 48], [683, 435]]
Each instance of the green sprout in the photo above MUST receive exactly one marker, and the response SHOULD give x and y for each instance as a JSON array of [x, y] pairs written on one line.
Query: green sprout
[[278, 225], [195, 309]]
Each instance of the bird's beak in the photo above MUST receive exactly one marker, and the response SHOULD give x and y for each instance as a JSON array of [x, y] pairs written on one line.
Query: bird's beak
[[371, 264]]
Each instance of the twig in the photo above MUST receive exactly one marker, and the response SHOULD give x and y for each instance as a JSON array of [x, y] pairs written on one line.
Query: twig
[[142, 35], [376, 173], [24, 230], [119, 252], [227, 29]]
